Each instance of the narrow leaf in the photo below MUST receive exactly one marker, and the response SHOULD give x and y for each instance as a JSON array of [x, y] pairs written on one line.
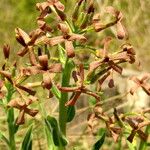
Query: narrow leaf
[[99, 143], [27, 141]]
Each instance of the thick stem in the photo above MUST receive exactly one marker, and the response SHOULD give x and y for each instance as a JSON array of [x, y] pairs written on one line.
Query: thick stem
[[10, 120], [64, 96]]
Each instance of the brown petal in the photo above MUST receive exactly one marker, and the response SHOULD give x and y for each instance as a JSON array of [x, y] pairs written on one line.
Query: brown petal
[[43, 60], [32, 57], [115, 67], [131, 136], [47, 83], [111, 10], [69, 48], [43, 26], [78, 37], [61, 14], [145, 77], [146, 88], [15, 103], [7, 75], [23, 51], [55, 68], [115, 132], [21, 118], [63, 28], [22, 35], [99, 26], [6, 51], [34, 35], [31, 112], [73, 100], [142, 135], [100, 81], [42, 6], [96, 18], [55, 40], [26, 89], [59, 5], [120, 31]]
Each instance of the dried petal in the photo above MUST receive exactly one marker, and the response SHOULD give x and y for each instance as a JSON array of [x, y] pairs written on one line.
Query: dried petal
[[46, 83], [23, 51], [21, 118], [63, 28], [6, 51], [73, 100], [26, 89], [22, 36], [43, 60], [55, 40], [120, 31], [59, 5], [77, 37], [69, 48], [55, 68]]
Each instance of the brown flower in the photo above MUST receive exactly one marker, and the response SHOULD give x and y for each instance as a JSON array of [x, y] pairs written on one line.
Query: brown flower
[[27, 41], [137, 123], [119, 16], [78, 90], [141, 83], [23, 108], [67, 38], [44, 68], [45, 8]]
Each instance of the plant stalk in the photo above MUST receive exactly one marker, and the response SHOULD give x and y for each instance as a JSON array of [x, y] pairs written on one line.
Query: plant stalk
[[10, 119], [64, 96]]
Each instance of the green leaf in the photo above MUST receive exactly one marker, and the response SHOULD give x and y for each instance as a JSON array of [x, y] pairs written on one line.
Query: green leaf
[[62, 55], [131, 146], [70, 113], [27, 141], [2, 137], [56, 92], [16, 127], [58, 138], [99, 143]]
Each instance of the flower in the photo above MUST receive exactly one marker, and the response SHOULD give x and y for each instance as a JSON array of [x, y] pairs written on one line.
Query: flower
[[23, 108], [141, 83], [67, 38], [78, 90], [44, 68]]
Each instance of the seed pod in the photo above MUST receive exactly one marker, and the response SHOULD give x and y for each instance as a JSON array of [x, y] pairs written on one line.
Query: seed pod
[[6, 51]]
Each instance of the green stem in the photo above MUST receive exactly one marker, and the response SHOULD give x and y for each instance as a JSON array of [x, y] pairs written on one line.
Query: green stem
[[143, 144], [64, 96], [10, 119]]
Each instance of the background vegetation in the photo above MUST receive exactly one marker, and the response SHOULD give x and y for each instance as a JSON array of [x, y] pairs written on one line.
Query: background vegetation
[[23, 14]]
